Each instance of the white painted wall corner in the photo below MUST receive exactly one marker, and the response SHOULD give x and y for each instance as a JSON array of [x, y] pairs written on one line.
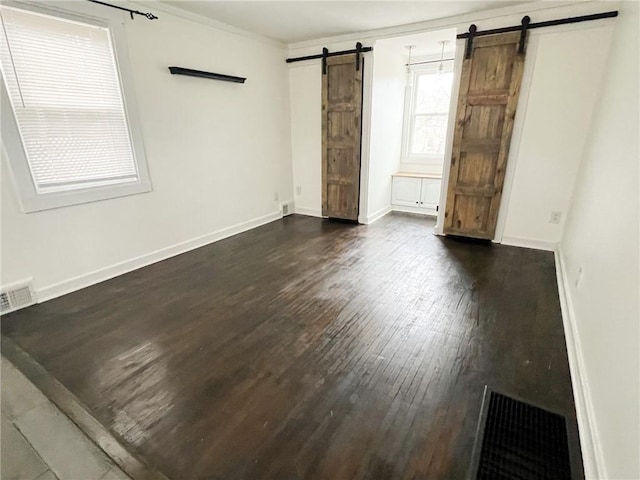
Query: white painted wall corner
[[377, 215], [592, 455], [311, 212]]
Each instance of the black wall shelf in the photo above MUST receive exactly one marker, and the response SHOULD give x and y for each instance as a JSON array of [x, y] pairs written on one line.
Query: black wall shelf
[[200, 73]]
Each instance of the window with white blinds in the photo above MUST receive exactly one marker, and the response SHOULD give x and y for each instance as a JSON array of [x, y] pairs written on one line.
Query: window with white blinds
[[64, 89]]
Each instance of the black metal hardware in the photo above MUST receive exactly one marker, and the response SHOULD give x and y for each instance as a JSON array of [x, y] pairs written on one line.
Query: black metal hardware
[[549, 23], [358, 49], [149, 15], [325, 54], [523, 33], [331, 54], [200, 73], [471, 34]]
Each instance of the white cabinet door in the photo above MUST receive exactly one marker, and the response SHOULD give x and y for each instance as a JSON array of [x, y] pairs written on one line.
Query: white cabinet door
[[406, 191], [430, 195]]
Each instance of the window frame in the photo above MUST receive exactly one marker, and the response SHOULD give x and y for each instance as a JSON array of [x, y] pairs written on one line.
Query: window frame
[[409, 110], [11, 141]]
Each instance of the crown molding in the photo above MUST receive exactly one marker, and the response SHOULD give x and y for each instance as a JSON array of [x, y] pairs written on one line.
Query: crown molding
[[484, 19]]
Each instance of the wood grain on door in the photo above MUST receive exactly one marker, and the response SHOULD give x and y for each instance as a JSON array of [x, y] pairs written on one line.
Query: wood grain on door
[[341, 137], [489, 90]]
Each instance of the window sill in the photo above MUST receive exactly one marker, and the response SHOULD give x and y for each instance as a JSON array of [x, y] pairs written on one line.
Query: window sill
[[435, 176], [48, 201]]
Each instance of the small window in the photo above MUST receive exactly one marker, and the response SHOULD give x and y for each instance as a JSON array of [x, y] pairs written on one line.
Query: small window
[[426, 115], [62, 83]]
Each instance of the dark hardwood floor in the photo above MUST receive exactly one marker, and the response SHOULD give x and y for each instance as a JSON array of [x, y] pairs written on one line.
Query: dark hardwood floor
[[308, 349]]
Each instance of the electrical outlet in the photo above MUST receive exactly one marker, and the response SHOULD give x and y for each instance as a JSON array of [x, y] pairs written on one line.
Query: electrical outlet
[[555, 217], [298, 190], [276, 196], [579, 276]]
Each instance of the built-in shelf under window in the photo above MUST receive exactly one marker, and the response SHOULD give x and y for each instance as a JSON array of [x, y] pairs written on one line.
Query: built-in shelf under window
[[416, 192]]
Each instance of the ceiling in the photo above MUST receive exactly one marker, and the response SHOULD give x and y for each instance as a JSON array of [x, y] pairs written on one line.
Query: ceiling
[[425, 44], [295, 21]]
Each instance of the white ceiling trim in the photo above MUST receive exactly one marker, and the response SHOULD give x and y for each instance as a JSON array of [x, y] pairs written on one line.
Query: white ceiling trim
[[486, 19], [490, 19], [195, 17]]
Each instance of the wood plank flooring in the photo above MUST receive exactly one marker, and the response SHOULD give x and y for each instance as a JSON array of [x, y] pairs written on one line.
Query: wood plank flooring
[[308, 349]]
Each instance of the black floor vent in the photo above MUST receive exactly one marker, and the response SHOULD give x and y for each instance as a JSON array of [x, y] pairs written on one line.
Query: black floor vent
[[517, 441]]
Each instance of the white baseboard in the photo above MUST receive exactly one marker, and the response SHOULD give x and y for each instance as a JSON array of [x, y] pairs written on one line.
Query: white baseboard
[[589, 438], [529, 243], [592, 456], [377, 215], [97, 276], [311, 212]]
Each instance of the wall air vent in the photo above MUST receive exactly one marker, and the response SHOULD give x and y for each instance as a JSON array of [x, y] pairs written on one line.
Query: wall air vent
[[16, 296], [287, 208]]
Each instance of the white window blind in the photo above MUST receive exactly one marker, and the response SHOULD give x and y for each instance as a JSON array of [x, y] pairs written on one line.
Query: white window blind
[[64, 89]]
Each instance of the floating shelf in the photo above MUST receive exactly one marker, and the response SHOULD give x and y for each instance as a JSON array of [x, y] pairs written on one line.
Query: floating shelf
[[200, 73]]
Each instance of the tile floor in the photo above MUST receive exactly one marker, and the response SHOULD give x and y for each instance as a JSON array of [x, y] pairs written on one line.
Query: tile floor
[[38, 442]]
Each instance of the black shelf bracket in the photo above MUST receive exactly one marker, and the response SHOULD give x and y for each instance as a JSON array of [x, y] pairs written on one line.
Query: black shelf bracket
[[199, 73]]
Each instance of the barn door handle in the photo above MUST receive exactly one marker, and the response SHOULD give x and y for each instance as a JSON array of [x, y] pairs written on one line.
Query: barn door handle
[[472, 32], [325, 53], [523, 33], [358, 49]]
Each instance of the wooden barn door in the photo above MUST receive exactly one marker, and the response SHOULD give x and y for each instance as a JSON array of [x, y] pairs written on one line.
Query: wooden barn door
[[341, 136], [489, 88]]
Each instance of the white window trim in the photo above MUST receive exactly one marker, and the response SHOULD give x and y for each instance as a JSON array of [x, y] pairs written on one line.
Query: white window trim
[[13, 149], [409, 104]]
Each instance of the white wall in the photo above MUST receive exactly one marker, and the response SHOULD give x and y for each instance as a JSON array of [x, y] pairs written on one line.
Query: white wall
[[217, 152], [601, 238], [387, 108], [305, 86], [561, 84], [383, 102], [306, 132], [427, 47]]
